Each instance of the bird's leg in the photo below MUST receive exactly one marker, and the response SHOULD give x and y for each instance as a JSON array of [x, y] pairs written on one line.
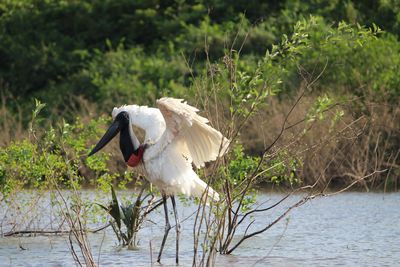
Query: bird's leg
[[167, 227], [177, 228]]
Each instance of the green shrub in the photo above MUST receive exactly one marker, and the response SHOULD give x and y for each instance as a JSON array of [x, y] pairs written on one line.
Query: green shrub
[[130, 75], [354, 58], [47, 46], [349, 58], [54, 157]]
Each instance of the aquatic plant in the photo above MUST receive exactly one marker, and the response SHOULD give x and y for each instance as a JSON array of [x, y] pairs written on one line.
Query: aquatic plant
[[131, 215]]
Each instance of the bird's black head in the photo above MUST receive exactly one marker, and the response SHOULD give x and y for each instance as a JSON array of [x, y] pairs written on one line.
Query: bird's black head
[[123, 119], [120, 125]]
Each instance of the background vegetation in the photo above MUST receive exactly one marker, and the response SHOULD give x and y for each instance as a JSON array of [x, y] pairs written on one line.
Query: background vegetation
[[82, 58]]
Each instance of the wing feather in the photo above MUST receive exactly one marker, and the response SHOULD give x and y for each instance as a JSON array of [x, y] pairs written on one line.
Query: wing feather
[[203, 143]]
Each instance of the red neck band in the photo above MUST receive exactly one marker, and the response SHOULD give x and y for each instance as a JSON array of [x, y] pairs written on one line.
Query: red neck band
[[134, 160]]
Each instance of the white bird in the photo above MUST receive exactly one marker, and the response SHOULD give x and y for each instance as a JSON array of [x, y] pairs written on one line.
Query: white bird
[[175, 137]]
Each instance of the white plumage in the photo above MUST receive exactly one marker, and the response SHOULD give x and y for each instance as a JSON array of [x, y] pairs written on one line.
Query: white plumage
[[176, 136]]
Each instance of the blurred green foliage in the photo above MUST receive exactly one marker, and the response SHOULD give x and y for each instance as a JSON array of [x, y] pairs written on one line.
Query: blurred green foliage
[[108, 50], [129, 74]]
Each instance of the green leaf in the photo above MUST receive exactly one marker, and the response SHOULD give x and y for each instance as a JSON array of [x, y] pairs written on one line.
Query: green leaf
[[115, 208]]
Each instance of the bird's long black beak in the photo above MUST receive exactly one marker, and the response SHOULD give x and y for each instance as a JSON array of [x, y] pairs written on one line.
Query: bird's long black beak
[[112, 131]]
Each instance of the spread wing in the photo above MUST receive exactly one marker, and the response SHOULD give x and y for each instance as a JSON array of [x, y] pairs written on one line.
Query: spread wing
[[197, 139]]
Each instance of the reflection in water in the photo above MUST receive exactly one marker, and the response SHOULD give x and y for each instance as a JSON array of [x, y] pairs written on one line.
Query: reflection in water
[[348, 229]]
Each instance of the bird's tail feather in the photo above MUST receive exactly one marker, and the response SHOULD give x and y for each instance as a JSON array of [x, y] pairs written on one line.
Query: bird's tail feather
[[198, 190]]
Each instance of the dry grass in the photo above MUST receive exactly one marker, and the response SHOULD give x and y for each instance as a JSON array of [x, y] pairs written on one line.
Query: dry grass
[[11, 123], [335, 153]]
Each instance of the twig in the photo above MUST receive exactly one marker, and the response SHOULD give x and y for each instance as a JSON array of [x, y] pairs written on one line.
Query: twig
[[50, 232], [41, 232], [274, 245], [297, 204]]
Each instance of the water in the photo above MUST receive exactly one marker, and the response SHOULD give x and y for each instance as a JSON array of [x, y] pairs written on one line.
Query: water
[[351, 229]]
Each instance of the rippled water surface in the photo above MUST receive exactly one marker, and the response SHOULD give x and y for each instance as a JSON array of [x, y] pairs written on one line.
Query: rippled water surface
[[352, 229]]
